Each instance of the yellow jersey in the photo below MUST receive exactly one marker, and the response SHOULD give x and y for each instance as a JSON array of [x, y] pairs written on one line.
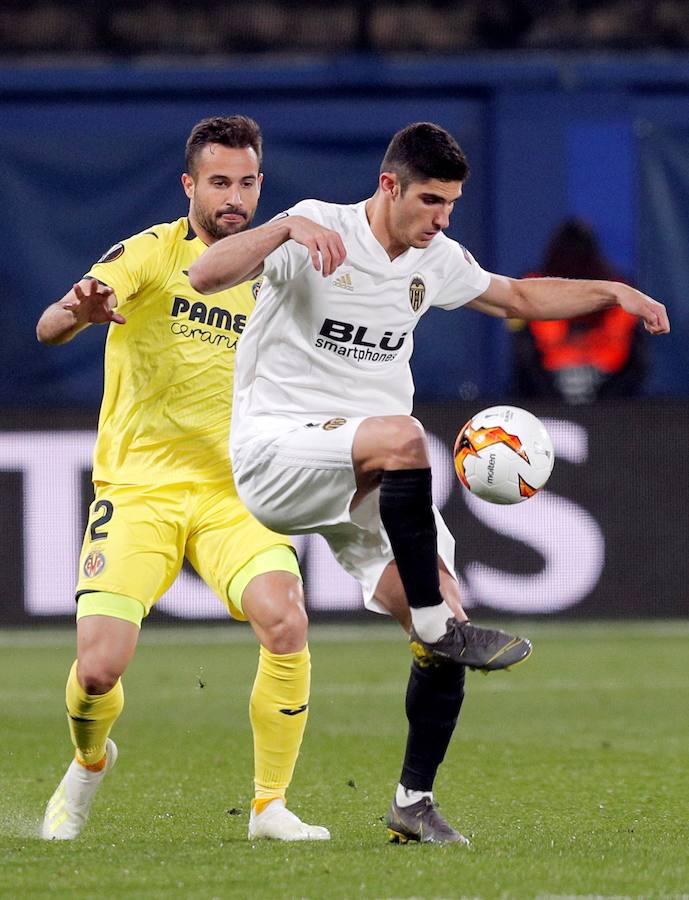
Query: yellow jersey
[[167, 395]]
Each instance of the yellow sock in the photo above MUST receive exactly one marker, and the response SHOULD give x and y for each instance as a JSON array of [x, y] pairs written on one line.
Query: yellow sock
[[278, 711], [90, 718]]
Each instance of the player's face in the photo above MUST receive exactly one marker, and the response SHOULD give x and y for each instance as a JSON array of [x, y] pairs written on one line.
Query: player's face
[[223, 190], [422, 211]]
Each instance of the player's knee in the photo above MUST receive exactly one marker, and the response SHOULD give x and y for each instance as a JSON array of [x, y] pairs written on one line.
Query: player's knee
[[287, 632], [96, 674], [389, 442], [406, 443]]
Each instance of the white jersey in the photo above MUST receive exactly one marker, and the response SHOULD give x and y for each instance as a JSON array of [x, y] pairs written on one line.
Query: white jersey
[[316, 347]]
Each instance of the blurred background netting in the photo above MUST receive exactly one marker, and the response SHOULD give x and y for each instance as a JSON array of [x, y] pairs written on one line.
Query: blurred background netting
[[571, 111]]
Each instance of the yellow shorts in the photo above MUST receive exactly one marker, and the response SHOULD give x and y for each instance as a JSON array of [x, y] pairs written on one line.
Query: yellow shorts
[[138, 535]]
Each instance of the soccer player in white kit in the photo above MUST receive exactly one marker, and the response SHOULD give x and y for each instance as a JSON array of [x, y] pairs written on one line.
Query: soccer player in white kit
[[322, 436]]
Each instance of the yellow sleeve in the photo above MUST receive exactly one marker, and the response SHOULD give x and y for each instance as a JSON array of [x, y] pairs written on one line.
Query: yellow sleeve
[[129, 266]]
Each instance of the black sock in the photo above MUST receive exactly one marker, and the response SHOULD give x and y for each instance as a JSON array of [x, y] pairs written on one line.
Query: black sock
[[407, 514], [434, 699]]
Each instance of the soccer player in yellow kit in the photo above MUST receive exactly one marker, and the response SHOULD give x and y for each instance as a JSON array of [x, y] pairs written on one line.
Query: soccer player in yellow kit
[[163, 487]]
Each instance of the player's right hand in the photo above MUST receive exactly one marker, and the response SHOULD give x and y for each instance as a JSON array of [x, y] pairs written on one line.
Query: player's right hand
[[324, 245], [93, 302]]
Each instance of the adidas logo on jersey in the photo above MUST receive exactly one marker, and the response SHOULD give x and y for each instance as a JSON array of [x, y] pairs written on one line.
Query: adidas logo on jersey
[[344, 282]]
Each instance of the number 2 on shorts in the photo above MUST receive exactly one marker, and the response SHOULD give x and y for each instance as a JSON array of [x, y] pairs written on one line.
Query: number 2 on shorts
[[103, 519]]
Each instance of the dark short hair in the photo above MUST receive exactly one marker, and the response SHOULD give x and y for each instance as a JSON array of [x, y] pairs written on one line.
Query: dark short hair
[[422, 151], [230, 131]]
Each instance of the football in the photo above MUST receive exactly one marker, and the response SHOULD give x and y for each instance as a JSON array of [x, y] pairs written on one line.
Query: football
[[504, 455]]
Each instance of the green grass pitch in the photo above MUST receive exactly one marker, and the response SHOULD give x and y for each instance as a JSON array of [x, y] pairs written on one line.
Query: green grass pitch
[[570, 773]]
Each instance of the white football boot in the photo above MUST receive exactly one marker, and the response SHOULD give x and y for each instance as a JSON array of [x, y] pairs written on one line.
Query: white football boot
[[276, 822], [69, 807]]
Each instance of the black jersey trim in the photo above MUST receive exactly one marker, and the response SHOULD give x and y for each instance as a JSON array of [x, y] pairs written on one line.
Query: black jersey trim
[[93, 278], [191, 234], [153, 233]]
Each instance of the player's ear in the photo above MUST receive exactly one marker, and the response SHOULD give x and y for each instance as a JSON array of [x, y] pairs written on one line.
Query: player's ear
[[187, 184], [389, 184], [260, 182]]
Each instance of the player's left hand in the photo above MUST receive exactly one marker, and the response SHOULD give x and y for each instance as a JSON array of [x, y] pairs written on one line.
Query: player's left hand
[[652, 314]]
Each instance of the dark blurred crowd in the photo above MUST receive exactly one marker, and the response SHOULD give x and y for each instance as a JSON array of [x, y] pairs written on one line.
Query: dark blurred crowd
[[136, 27]]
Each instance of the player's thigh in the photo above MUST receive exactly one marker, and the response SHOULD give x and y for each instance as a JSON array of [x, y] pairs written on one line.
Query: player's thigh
[[301, 481], [134, 541], [226, 540]]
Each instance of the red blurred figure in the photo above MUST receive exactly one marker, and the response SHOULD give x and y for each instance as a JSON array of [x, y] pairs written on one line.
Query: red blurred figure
[[583, 359]]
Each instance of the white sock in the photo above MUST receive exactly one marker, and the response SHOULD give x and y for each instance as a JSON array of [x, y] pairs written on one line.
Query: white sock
[[405, 797], [429, 621]]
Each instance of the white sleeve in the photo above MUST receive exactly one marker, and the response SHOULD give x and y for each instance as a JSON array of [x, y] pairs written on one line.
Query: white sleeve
[[290, 258], [463, 279]]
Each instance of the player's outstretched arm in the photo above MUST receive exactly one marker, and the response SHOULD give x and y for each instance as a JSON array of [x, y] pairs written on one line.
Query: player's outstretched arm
[[239, 257], [564, 298], [88, 302]]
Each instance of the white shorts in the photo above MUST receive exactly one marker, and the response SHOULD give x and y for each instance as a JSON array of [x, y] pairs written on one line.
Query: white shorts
[[301, 480]]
